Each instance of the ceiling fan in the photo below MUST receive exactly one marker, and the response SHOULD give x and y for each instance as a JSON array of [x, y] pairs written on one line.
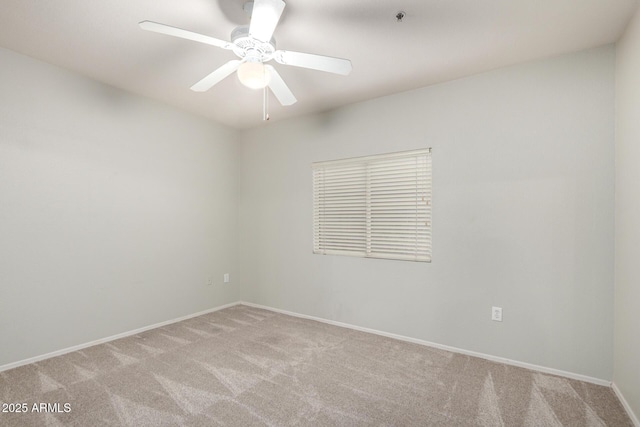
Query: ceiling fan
[[254, 45]]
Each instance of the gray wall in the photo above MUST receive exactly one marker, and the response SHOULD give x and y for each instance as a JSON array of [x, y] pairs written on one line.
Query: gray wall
[[523, 214], [114, 210], [627, 270]]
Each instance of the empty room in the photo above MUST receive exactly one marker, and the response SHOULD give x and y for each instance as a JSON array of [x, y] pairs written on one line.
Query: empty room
[[303, 213]]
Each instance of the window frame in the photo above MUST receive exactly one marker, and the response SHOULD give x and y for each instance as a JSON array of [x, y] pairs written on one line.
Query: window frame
[[384, 183]]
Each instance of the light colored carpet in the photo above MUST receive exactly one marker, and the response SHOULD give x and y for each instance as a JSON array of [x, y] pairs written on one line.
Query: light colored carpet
[[244, 366]]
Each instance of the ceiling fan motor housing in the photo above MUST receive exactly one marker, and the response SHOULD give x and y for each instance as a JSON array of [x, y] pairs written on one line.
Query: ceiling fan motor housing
[[250, 48]]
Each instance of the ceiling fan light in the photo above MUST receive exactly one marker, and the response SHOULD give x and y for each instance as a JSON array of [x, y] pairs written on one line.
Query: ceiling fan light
[[254, 75]]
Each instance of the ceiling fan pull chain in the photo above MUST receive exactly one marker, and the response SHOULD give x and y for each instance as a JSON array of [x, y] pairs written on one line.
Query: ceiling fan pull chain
[[265, 104]]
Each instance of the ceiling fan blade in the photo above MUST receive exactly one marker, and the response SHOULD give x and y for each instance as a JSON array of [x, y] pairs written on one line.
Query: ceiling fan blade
[[264, 18], [178, 32], [217, 76], [315, 62], [280, 88]]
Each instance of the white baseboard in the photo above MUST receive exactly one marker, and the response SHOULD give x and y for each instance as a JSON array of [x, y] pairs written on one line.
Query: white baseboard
[[627, 407], [538, 368], [111, 338], [330, 322]]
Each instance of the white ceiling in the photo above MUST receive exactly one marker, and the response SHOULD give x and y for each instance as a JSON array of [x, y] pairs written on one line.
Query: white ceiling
[[438, 40]]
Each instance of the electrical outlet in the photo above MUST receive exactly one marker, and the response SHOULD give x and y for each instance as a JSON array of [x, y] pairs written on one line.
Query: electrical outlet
[[226, 277], [209, 281], [496, 314]]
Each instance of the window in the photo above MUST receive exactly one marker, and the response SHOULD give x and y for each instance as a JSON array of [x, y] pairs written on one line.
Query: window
[[374, 207]]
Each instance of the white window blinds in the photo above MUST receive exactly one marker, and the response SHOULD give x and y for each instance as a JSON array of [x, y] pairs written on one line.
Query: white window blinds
[[376, 206]]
